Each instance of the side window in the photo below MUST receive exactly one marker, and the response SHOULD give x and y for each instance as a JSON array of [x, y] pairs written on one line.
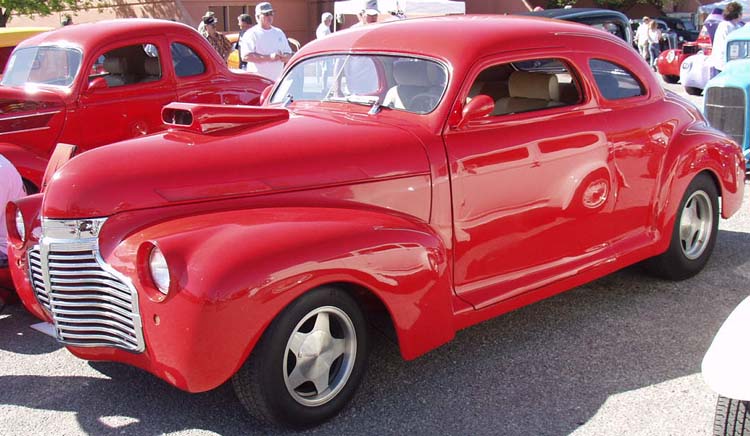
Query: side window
[[128, 65], [185, 61], [527, 86], [615, 82]]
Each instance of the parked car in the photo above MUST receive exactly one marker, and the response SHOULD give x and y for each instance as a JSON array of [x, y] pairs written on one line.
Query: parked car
[[694, 74], [97, 83], [11, 36], [252, 244], [613, 22], [727, 94], [725, 371], [682, 27]]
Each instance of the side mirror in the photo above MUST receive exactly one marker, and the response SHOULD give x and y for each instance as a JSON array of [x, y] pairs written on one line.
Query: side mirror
[[479, 106], [264, 95], [97, 83]]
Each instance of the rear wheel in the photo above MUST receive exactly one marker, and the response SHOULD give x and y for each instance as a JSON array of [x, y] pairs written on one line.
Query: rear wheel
[[732, 417], [693, 234], [309, 362], [670, 78], [691, 90]]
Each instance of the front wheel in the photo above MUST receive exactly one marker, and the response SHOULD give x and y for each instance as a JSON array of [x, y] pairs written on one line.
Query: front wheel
[[693, 234], [309, 362], [669, 78], [692, 90], [732, 417]]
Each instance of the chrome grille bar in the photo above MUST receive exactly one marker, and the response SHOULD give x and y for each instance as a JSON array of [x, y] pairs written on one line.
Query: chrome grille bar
[[92, 305], [37, 277]]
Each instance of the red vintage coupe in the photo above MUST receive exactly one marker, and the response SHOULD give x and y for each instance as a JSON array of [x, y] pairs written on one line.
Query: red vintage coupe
[[98, 83], [420, 175]]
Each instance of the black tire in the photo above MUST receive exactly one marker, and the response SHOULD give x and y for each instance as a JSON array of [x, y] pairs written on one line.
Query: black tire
[[670, 78], [691, 90], [732, 417], [261, 383], [690, 245]]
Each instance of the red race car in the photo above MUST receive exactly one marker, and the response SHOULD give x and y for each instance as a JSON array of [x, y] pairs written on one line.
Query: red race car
[[98, 83], [421, 187]]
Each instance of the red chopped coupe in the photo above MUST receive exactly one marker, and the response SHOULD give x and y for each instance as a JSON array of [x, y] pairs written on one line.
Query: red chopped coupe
[[98, 83], [421, 175]]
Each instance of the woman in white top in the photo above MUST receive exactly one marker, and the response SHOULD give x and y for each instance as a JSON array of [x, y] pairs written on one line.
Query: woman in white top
[[654, 37], [732, 14]]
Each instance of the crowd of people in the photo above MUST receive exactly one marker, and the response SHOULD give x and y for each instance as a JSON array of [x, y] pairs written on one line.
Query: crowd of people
[[264, 48]]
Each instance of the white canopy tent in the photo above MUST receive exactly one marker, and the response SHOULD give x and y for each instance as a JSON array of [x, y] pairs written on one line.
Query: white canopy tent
[[409, 8]]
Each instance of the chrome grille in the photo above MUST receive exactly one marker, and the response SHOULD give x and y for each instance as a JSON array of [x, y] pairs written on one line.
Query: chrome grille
[[37, 278], [725, 110], [91, 303]]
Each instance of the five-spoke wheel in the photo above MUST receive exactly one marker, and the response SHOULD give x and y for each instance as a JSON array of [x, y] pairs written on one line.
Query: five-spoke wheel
[[308, 363], [694, 232]]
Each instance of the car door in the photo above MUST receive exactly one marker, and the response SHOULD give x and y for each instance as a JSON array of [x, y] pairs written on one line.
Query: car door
[[128, 86], [530, 182], [638, 147]]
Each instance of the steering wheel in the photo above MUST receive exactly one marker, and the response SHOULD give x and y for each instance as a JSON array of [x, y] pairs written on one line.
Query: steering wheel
[[423, 102]]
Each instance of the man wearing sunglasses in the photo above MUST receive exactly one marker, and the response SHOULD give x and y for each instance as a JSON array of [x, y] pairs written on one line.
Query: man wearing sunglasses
[[265, 47]]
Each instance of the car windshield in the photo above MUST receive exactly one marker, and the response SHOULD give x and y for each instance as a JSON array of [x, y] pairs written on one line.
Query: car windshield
[[738, 50], [48, 65], [397, 82]]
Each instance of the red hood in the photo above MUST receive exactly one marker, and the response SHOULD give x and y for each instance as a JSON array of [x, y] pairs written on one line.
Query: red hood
[[19, 100], [182, 166]]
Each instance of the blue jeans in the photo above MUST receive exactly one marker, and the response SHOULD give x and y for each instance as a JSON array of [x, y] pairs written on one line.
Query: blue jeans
[[653, 51]]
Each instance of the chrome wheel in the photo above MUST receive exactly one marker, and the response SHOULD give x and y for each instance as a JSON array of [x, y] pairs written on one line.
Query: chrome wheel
[[319, 356], [696, 224]]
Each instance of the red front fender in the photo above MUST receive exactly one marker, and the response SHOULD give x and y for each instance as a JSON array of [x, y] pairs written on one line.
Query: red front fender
[[234, 272]]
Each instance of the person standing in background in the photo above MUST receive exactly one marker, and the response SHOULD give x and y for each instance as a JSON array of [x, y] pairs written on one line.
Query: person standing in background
[[265, 47], [202, 24], [654, 41], [324, 28], [218, 41], [718, 58], [11, 188], [368, 14], [641, 37], [245, 22]]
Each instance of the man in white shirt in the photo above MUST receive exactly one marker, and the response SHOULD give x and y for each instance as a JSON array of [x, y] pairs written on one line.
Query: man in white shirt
[[324, 28], [641, 37], [263, 46], [11, 188]]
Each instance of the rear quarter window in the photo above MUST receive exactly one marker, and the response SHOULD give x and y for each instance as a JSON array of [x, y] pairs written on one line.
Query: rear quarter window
[[615, 82]]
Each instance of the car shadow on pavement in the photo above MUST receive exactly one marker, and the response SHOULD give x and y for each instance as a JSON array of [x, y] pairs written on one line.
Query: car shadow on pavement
[[18, 337], [541, 370]]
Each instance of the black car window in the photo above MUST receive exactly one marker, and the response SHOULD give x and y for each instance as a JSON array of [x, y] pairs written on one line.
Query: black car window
[[614, 81], [527, 86], [185, 61]]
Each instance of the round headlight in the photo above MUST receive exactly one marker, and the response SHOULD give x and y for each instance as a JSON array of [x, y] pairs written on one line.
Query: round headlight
[[159, 270], [20, 226]]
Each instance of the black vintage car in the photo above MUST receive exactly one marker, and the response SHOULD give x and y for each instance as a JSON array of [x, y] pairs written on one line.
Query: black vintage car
[[684, 28], [613, 22]]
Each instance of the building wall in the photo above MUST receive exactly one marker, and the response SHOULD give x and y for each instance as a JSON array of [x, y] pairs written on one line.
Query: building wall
[[298, 18]]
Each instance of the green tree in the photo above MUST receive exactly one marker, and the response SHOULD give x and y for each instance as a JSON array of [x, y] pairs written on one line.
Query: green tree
[[42, 7]]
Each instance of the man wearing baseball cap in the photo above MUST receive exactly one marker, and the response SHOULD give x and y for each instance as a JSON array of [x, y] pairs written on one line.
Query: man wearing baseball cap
[[265, 47], [368, 14]]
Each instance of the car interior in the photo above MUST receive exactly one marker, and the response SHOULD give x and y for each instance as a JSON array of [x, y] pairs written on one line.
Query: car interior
[[526, 86]]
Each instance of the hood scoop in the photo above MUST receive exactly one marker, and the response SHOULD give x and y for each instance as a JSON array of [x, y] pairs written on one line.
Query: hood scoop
[[208, 118]]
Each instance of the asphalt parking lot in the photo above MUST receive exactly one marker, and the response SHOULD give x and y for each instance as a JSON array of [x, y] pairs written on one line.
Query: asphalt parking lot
[[620, 356]]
